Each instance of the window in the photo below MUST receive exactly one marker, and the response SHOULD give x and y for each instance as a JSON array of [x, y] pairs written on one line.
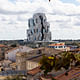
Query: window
[[33, 23], [34, 30], [55, 46], [28, 34], [44, 30], [47, 29], [36, 20], [37, 30], [34, 38], [31, 32], [64, 46], [52, 46], [29, 23], [60, 46], [44, 20]]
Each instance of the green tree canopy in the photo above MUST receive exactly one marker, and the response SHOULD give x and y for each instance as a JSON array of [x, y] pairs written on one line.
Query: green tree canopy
[[64, 60]]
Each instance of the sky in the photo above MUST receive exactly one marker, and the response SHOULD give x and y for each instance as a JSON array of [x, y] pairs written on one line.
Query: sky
[[63, 16]]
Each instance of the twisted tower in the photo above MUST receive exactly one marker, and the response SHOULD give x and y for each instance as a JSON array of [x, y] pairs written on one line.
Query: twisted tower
[[38, 28]]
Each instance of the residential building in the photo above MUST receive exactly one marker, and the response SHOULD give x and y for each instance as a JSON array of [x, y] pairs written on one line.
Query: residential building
[[34, 74], [59, 46], [38, 28], [73, 74], [30, 60], [72, 47], [33, 62], [27, 62], [77, 50], [6, 63], [2, 51], [21, 61], [13, 66], [11, 54]]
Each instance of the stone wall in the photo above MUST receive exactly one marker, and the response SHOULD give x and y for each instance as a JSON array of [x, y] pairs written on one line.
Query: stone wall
[[31, 65]]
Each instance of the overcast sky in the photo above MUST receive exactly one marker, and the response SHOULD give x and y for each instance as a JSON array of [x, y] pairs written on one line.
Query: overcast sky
[[63, 16]]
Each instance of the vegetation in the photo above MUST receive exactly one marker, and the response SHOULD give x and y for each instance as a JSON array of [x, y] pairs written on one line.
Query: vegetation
[[47, 64], [65, 60], [14, 45]]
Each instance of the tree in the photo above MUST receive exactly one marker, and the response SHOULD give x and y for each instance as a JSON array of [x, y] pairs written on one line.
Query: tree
[[64, 60], [77, 56], [47, 64], [14, 45], [68, 59]]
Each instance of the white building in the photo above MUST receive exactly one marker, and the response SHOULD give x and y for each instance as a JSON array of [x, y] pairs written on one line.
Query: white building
[[11, 54], [59, 46]]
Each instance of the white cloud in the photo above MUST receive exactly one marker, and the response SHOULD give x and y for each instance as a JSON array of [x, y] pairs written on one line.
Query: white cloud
[[78, 0], [63, 17]]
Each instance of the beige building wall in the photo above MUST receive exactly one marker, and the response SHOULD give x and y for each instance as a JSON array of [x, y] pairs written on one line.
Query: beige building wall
[[31, 65], [21, 61]]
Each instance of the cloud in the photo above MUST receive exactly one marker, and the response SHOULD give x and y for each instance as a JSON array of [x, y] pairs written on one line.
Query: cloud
[[63, 17], [78, 0]]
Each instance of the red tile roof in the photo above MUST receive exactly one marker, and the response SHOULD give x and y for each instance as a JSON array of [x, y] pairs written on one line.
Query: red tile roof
[[57, 44], [34, 71], [78, 49], [71, 74], [1, 45], [12, 49]]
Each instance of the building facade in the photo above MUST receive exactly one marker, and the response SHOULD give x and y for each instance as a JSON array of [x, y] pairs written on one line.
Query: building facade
[[11, 54], [59, 46], [2, 51], [25, 63], [21, 61], [38, 28]]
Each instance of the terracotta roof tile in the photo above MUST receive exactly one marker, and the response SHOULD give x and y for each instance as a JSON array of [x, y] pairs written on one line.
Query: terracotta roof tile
[[34, 71], [57, 44], [78, 49], [12, 49], [1, 45], [71, 74]]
